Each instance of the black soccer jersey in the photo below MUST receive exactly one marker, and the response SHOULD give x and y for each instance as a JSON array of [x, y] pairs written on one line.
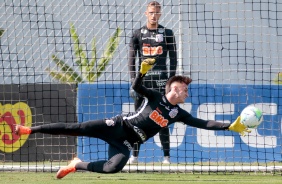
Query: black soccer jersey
[[157, 112], [156, 43]]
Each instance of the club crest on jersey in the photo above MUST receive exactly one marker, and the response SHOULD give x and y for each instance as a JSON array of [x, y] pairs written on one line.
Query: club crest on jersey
[[173, 113], [159, 38]]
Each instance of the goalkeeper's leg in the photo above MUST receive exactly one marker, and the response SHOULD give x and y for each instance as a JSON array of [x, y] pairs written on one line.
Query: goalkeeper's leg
[[118, 157], [96, 128]]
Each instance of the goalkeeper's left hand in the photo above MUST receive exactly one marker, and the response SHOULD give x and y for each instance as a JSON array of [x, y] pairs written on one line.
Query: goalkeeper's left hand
[[146, 65], [237, 126]]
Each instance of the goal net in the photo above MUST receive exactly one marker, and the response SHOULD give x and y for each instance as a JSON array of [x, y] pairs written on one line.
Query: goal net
[[67, 61]]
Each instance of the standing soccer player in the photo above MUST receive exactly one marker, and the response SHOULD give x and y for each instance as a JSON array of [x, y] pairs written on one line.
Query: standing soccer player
[[153, 41]]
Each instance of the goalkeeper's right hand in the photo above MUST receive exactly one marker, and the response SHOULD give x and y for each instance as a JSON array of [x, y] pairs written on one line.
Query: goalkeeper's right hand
[[146, 65], [237, 126]]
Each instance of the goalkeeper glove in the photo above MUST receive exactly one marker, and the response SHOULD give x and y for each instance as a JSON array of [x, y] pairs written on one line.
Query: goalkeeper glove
[[146, 65], [237, 126]]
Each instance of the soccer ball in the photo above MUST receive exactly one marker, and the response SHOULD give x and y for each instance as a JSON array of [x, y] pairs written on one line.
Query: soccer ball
[[251, 117]]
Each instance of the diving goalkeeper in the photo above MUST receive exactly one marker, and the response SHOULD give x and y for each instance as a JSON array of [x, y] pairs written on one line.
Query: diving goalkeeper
[[122, 131]]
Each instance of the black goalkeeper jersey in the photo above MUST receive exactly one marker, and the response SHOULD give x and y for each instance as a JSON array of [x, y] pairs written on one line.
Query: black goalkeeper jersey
[[158, 44], [156, 112]]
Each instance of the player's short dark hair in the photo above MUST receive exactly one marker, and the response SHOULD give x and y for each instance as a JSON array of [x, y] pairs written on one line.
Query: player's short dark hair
[[177, 78], [154, 3]]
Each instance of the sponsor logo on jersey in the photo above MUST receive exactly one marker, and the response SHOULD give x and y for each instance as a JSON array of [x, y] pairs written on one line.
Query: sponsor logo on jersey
[[140, 133], [127, 144], [153, 72], [166, 106], [158, 118], [149, 38], [152, 51], [161, 83]]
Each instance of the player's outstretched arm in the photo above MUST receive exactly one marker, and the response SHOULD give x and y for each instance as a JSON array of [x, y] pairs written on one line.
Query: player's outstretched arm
[[137, 86], [237, 126]]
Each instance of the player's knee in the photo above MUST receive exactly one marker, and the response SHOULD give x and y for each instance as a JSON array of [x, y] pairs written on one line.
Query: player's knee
[[112, 170], [115, 164]]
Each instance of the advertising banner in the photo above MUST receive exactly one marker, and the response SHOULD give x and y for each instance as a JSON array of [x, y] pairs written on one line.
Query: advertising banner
[[218, 102], [32, 105]]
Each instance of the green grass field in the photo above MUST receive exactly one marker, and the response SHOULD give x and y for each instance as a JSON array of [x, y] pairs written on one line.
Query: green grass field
[[146, 178]]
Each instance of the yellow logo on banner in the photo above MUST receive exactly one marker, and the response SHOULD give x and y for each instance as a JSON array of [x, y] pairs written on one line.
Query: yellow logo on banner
[[10, 115]]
